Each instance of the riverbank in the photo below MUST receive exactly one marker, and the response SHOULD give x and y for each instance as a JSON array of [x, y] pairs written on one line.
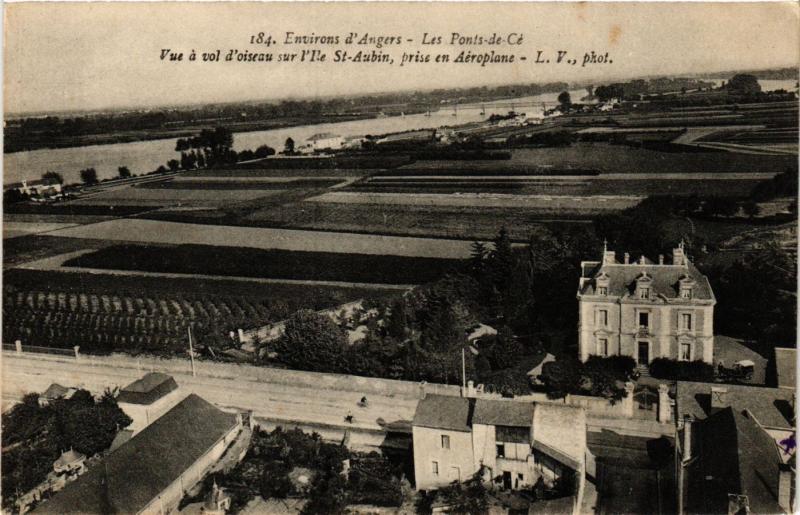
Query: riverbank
[[14, 143]]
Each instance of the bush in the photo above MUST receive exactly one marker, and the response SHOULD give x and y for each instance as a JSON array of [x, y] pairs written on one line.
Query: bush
[[698, 370]]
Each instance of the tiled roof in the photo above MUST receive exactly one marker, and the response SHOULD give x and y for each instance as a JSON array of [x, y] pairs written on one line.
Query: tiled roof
[[786, 367], [770, 406], [148, 389], [503, 413], [444, 412], [735, 456], [622, 279], [129, 478]]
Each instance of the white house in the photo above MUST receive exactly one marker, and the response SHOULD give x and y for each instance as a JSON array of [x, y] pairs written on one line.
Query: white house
[[510, 443], [325, 141], [644, 309], [41, 188]]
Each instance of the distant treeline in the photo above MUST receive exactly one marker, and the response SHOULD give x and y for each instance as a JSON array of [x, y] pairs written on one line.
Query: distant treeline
[[771, 74]]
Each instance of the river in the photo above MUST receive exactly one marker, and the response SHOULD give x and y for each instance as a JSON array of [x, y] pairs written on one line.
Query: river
[[145, 156]]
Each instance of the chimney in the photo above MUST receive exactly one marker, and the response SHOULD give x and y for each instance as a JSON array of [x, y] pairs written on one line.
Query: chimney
[[719, 398], [661, 259], [678, 257], [627, 258], [609, 257], [687, 437], [785, 500]]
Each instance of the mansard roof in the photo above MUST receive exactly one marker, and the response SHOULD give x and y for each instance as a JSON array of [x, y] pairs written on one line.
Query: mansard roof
[[665, 279]]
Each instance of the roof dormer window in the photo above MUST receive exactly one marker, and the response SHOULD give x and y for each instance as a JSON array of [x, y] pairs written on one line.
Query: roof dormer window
[[601, 283], [643, 283], [686, 287]]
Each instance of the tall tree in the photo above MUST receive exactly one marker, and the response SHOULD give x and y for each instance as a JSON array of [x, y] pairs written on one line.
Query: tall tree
[[53, 176], [89, 176]]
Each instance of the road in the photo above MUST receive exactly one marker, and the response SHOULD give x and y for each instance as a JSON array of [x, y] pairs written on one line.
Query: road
[[272, 403]]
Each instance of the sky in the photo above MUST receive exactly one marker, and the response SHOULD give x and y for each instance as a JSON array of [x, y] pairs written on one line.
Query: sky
[[88, 56]]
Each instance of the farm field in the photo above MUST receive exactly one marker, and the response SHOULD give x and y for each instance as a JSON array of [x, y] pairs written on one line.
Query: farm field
[[608, 158], [326, 173], [107, 312], [155, 195], [33, 247], [73, 209], [217, 184], [14, 229], [271, 264], [556, 202], [155, 231], [581, 188], [467, 223]]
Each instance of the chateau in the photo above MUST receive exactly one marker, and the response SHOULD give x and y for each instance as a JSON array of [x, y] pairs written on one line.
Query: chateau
[[645, 309]]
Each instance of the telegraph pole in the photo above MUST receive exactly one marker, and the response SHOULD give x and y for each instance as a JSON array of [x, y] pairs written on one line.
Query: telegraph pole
[[191, 350]]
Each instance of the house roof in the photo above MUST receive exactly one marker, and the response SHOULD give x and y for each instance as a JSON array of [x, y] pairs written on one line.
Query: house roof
[[503, 413], [770, 406], [69, 457], [562, 429], [148, 389], [786, 367], [735, 456], [129, 478], [54, 391], [665, 279], [444, 412]]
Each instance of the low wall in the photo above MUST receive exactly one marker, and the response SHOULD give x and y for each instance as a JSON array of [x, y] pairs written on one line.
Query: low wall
[[366, 385]]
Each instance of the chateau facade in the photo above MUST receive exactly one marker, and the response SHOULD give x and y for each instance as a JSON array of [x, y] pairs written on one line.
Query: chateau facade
[[645, 309]]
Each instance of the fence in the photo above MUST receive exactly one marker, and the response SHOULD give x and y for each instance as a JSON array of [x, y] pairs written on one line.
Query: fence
[[19, 348]]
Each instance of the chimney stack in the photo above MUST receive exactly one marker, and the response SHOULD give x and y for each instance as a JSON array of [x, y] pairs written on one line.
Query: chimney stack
[[627, 258], [609, 257], [678, 257], [661, 259], [719, 398]]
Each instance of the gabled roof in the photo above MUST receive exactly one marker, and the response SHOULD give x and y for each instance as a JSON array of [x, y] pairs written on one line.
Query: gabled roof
[[786, 367], [665, 279], [734, 456], [770, 406], [148, 389], [132, 476], [444, 412], [503, 413]]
